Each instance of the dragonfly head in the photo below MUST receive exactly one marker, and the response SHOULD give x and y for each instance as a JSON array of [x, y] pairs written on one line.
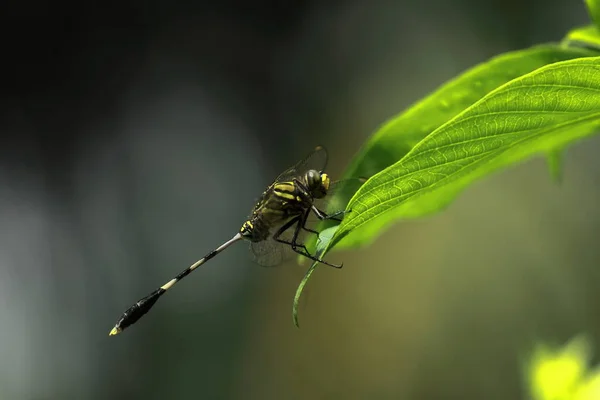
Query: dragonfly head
[[318, 183]]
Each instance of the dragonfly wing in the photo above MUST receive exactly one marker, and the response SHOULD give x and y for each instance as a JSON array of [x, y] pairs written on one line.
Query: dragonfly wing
[[270, 253], [316, 160]]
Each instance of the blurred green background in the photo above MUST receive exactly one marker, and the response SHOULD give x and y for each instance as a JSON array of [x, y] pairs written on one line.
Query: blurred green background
[[136, 138]]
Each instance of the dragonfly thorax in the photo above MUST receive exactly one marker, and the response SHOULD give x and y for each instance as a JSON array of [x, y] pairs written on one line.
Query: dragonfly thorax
[[282, 201]]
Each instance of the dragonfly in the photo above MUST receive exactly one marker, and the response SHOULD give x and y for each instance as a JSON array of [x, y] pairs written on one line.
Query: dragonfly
[[275, 225]]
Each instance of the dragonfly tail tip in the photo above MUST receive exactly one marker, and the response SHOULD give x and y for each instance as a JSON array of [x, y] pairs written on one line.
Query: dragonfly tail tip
[[115, 331]]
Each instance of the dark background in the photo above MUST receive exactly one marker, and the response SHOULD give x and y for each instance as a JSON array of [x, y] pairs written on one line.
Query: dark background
[[135, 137]]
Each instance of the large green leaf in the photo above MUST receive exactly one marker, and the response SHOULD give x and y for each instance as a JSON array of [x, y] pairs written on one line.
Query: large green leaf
[[548, 108], [399, 135], [538, 112]]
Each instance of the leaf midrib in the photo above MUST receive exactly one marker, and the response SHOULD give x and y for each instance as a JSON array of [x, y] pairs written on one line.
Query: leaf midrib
[[467, 141]]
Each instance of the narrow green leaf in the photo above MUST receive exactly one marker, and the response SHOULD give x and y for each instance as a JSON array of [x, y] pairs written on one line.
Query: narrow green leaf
[[538, 112], [399, 135], [593, 7], [323, 242], [588, 36]]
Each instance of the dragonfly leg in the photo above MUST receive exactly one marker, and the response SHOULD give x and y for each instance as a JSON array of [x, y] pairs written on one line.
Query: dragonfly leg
[[308, 229], [299, 248], [324, 216], [300, 185]]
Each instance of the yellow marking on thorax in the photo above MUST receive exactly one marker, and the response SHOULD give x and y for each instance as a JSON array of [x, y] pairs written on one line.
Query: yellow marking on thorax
[[284, 195], [285, 187]]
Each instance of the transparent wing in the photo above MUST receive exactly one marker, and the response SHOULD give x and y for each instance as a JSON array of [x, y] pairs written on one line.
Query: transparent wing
[[316, 160], [270, 253]]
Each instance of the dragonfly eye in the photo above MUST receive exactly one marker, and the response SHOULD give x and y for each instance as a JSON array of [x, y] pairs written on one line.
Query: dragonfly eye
[[318, 183], [313, 179]]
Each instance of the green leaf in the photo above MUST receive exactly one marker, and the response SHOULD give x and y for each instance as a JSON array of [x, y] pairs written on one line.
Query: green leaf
[[323, 242], [593, 7], [588, 36], [399, 135], [538, 112]]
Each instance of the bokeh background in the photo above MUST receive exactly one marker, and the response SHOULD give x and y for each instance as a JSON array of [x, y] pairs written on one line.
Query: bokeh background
[[135, 137]]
